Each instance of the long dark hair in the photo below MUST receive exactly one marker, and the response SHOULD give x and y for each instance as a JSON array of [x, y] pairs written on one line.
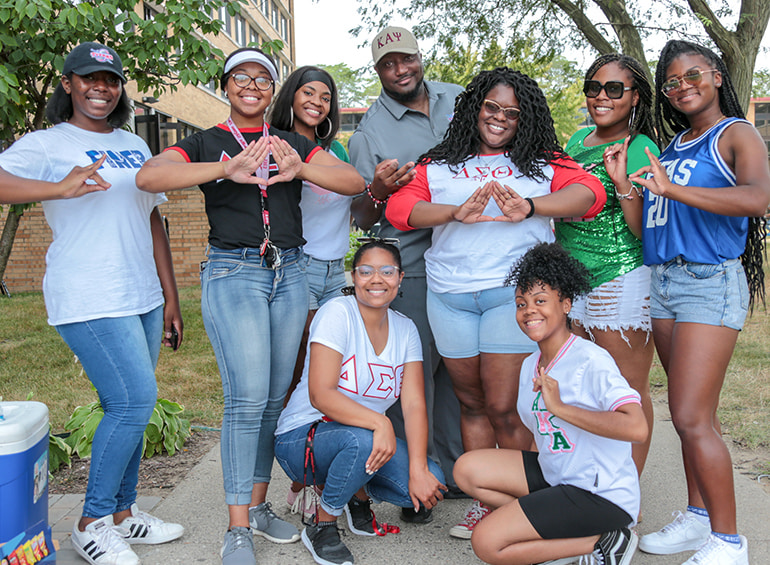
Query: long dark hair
[[642, 121], [535, 144], [59, 107], [671, 121], [281, 109]]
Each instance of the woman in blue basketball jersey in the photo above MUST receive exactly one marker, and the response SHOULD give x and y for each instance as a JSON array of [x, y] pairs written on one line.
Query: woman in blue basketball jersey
[[703, 237]]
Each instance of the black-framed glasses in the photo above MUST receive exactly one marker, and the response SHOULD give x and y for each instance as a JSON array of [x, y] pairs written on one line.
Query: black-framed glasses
[[243, 80], [613, 88], [386, 271], [364, 239], [492, 107], [691, 77]]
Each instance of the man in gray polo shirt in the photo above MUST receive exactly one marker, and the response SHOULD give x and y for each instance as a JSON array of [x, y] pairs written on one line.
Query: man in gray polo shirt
[[410, 116]]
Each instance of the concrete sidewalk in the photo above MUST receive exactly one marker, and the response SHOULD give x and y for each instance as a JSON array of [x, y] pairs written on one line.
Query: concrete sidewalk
[[198, 503]]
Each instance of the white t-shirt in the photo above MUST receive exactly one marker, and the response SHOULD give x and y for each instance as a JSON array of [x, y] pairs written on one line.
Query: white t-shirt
[[100, 263], [568, 455], [372, 380]]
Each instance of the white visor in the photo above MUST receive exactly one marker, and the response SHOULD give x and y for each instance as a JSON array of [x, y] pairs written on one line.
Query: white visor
[[251, 57]]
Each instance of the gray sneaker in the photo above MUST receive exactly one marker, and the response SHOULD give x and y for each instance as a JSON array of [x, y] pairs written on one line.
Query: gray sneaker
[[238, 547], [265, 523]]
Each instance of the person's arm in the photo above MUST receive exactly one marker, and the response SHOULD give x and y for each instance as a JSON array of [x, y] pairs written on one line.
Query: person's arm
[[745, 153], [171, 170], [624, 422], [172, 313], [322, 169], [323, 380], [424, 487], [19, 190]]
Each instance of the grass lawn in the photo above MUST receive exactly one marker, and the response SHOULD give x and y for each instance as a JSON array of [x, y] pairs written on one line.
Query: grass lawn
[[35, 363]]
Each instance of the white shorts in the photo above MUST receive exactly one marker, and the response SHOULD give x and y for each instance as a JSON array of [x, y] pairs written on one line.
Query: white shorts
[[620, 304]]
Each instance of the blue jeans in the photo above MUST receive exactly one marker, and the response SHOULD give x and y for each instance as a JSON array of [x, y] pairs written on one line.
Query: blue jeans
[[340, 465], [119, 356], [254, 317], [325, 279]]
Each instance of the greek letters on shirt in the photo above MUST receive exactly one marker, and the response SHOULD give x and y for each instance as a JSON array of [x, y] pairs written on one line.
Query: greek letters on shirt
[[679, 171], [559, 443], [128, 159], [384, 382], [482, 173]]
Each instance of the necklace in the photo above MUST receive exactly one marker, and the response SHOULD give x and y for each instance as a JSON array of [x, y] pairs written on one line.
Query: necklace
[[705, 130]]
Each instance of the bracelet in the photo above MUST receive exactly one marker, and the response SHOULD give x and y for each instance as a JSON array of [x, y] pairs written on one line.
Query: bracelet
[[531, 208], [627, 196], [377, 201]]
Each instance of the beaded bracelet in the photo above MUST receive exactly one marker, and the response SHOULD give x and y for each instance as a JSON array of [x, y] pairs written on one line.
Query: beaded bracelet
[[377, 201], [626, 196]]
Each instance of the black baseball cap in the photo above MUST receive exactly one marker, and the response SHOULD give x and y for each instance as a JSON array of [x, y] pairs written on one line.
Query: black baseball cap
[[91, 57]]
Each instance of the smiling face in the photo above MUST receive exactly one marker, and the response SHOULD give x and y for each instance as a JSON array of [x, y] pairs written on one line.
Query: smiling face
[[401, 75], [94, 97], [376, 291], [248, 103], [312, 103], [495, 130], [612, 115], [542, 314], [693, 98]]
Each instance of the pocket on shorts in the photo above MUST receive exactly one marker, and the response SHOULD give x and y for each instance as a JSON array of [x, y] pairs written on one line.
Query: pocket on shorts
[[702, 271]]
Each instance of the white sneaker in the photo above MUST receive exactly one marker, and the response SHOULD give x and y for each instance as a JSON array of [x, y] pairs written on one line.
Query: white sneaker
[[306, 501], [146, 528], [719, 552], [685, 533], [102, 543], [473, 516]]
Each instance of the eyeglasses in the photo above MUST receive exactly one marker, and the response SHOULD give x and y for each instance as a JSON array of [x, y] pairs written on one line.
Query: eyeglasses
[[613, 88], [492, 107], [243, 80], [363, 240], [386, 271], [691, 77]]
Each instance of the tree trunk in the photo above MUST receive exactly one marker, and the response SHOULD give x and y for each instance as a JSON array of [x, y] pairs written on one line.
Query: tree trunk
[[9, 234]]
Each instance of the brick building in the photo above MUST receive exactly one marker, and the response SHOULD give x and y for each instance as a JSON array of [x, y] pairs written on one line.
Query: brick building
[[161, 122]]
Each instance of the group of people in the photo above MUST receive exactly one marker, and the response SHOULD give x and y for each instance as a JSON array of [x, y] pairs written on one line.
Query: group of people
[[497, 338]]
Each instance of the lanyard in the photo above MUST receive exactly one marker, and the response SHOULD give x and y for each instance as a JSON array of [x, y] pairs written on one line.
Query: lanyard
[[264, 172]]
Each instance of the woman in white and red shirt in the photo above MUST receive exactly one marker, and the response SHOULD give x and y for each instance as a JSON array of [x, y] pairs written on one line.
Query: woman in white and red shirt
[[489, 191]]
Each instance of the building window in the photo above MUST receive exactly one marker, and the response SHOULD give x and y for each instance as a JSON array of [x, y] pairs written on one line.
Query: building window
[[149, 13], [254, 37], [285, 69], [762, 122], [225, 17], [240, 30], [285, 28], [276, 16]]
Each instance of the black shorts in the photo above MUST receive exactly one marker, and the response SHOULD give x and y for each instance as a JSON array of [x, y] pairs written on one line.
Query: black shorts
[[566, 511]]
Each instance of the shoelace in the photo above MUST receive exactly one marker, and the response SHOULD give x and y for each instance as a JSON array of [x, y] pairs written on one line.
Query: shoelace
[[269, 512], [680, 521], [147, 519], [704, 553], [240, 540], [306, 498], [111, 539], [476, 513]]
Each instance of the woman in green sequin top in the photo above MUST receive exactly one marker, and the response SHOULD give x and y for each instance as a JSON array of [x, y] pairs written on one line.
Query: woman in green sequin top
[[616, 312]]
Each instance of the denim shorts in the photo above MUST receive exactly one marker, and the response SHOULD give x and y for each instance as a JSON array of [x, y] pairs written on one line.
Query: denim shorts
[[715, 295], [325, 279], [468, 323]]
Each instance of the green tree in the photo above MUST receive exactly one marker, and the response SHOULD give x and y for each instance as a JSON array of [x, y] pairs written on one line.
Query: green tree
[[355, 86], [559, 78], [606, 25], [760, 88], [159, 53]]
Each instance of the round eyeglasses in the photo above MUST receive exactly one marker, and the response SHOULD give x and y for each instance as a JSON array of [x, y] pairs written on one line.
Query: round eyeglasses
[[511, 113], [243, 80], [386, 271]]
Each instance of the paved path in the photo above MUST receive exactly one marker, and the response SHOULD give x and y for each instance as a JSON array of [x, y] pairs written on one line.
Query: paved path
[[197, 502]]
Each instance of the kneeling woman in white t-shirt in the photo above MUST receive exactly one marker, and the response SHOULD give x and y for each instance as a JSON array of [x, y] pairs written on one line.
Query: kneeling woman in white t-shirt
[[362, 357]]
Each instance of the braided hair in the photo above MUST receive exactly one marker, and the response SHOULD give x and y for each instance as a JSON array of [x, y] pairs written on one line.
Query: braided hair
[[642, 118], [534, 145], [670, 121]]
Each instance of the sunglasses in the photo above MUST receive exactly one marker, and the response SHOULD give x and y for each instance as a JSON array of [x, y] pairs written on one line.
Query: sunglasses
[[691, 77], [613, 88], [243, 80], [492, 107], [394, 241]]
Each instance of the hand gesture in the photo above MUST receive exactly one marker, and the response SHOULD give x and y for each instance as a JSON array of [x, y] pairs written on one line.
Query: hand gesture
[[74, 184], [549, 389], [425, 488], [513, 206], [472, 210], [383, 446], [388, 177], [287, 159], [659, 183], [616, 161], [242, 167]]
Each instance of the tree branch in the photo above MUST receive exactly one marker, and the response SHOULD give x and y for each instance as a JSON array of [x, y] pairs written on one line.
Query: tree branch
[[586, 26]]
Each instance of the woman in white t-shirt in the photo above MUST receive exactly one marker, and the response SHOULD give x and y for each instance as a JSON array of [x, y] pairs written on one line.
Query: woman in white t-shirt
[[363, 356], [108, 273]]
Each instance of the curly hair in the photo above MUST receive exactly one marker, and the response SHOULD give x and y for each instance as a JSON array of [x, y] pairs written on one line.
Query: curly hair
[[59, 107], [551, 264], [670, 121], [642, 121], [534, 145], [281, 111]]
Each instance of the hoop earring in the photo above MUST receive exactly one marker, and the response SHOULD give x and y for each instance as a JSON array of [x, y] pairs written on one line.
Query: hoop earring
[[633, 117], [291, 119], [319, 136]]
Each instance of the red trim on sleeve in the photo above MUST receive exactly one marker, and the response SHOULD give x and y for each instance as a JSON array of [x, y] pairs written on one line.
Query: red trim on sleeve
[[313, 152], [566, 172], [180, 151], [402, 202]]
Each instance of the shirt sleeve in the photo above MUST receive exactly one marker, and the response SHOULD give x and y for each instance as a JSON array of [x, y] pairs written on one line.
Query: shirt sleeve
[[402, 202], [339, 151], [189, 148], [608, 387], [566, 172], [414, 347], [27, 158], [331, 327]]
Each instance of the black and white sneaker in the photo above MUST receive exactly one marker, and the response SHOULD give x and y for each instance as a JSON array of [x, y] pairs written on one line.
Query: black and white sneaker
[[147, 529], [102, 543], [324, 543], [361, 519], [617, 547]]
